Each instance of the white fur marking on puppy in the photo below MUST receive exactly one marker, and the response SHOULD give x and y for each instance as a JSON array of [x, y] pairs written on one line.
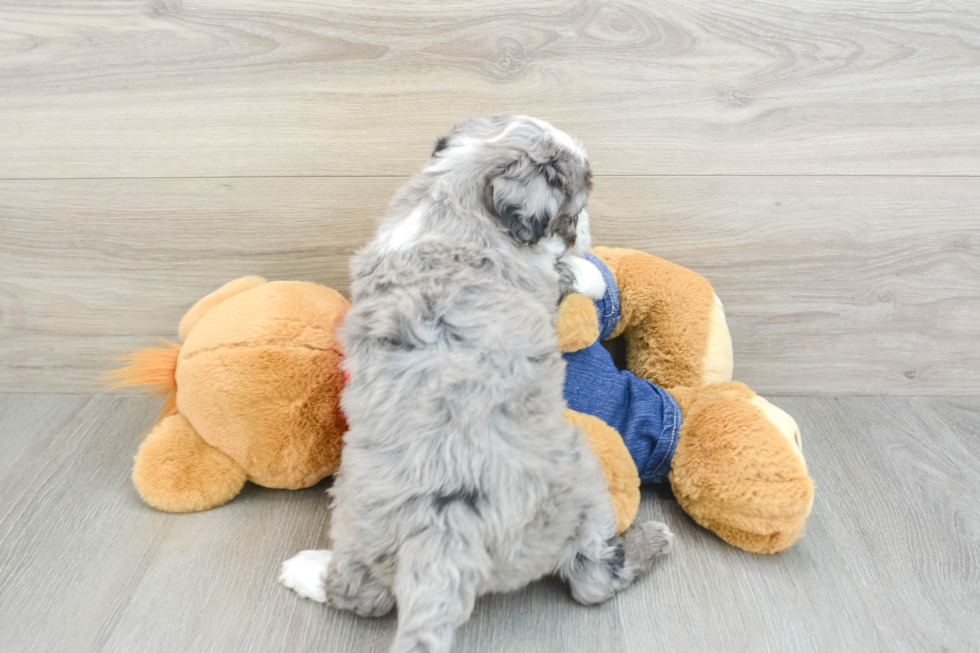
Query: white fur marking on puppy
[[306, 574], [554, 245], [508, 129], [546, 253], [560, 136], [583, 237], [463, 147], [588, 280], [405, 232]]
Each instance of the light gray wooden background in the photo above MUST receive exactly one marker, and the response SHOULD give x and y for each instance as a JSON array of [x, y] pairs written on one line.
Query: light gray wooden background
[[818, 160]]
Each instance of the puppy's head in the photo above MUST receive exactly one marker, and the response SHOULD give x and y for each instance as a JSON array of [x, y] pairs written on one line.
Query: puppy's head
[[534, 178]]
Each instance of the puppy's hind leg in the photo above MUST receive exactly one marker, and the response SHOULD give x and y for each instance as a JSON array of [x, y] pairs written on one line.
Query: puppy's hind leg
[[601, 563], [339, 580], [436, 585], [350, 585]]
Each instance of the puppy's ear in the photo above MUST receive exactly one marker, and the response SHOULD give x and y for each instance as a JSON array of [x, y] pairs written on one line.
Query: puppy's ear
[[441, 143], [524, 196]]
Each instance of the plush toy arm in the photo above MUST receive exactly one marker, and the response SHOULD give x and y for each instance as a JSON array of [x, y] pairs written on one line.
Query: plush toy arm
[[577, 325], [674, 324]]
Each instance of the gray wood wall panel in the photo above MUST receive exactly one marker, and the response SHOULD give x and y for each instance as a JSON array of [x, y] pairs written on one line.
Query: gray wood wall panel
[[833, 285], [240, 87]]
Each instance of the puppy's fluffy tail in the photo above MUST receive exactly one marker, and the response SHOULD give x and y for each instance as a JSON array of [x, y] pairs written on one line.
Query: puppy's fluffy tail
[[436, 584], [153, 369]]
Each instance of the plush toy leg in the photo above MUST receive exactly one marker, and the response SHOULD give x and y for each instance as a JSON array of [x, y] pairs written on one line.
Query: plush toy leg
[[673, 323], [738, 469], [176, 471], [622, 479]]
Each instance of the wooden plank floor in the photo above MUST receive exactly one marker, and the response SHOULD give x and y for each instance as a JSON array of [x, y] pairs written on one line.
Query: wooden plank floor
[[891, 561]]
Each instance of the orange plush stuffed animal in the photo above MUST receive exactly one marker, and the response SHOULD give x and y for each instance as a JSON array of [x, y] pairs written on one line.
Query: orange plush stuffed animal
[[253, 394]]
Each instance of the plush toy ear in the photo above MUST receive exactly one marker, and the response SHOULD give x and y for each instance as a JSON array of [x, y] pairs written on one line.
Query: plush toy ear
[[206, 303], [524, 195]]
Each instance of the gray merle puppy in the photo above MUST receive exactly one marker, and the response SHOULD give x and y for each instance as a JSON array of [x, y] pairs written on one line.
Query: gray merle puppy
[[459, 475]]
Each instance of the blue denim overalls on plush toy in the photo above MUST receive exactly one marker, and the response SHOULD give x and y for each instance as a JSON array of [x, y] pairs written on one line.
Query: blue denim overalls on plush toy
[[645, 415]]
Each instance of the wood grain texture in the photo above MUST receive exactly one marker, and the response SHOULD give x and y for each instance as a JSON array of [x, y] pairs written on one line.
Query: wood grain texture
[[891, 560], [92, 269], [832, 285], [112, 88]]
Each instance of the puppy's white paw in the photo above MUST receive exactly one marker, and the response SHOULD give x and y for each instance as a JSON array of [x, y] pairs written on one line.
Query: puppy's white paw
[[588, 279], [306, 574]]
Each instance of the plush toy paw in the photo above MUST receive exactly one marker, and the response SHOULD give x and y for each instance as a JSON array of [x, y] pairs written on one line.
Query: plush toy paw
[[577, 325], [177, 471], [306, 574], [738, 469]]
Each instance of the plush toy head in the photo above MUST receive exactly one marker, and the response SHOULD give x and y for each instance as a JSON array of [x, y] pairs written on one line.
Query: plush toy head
[[253, 394]]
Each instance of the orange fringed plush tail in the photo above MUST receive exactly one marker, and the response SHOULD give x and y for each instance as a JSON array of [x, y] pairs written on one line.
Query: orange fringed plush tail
[[154, 369]]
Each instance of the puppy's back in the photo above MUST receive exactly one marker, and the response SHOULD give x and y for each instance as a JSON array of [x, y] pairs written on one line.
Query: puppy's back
[[454, 398]]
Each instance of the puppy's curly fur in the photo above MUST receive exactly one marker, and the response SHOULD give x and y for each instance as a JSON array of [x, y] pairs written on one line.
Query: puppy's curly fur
[[459, 475]]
